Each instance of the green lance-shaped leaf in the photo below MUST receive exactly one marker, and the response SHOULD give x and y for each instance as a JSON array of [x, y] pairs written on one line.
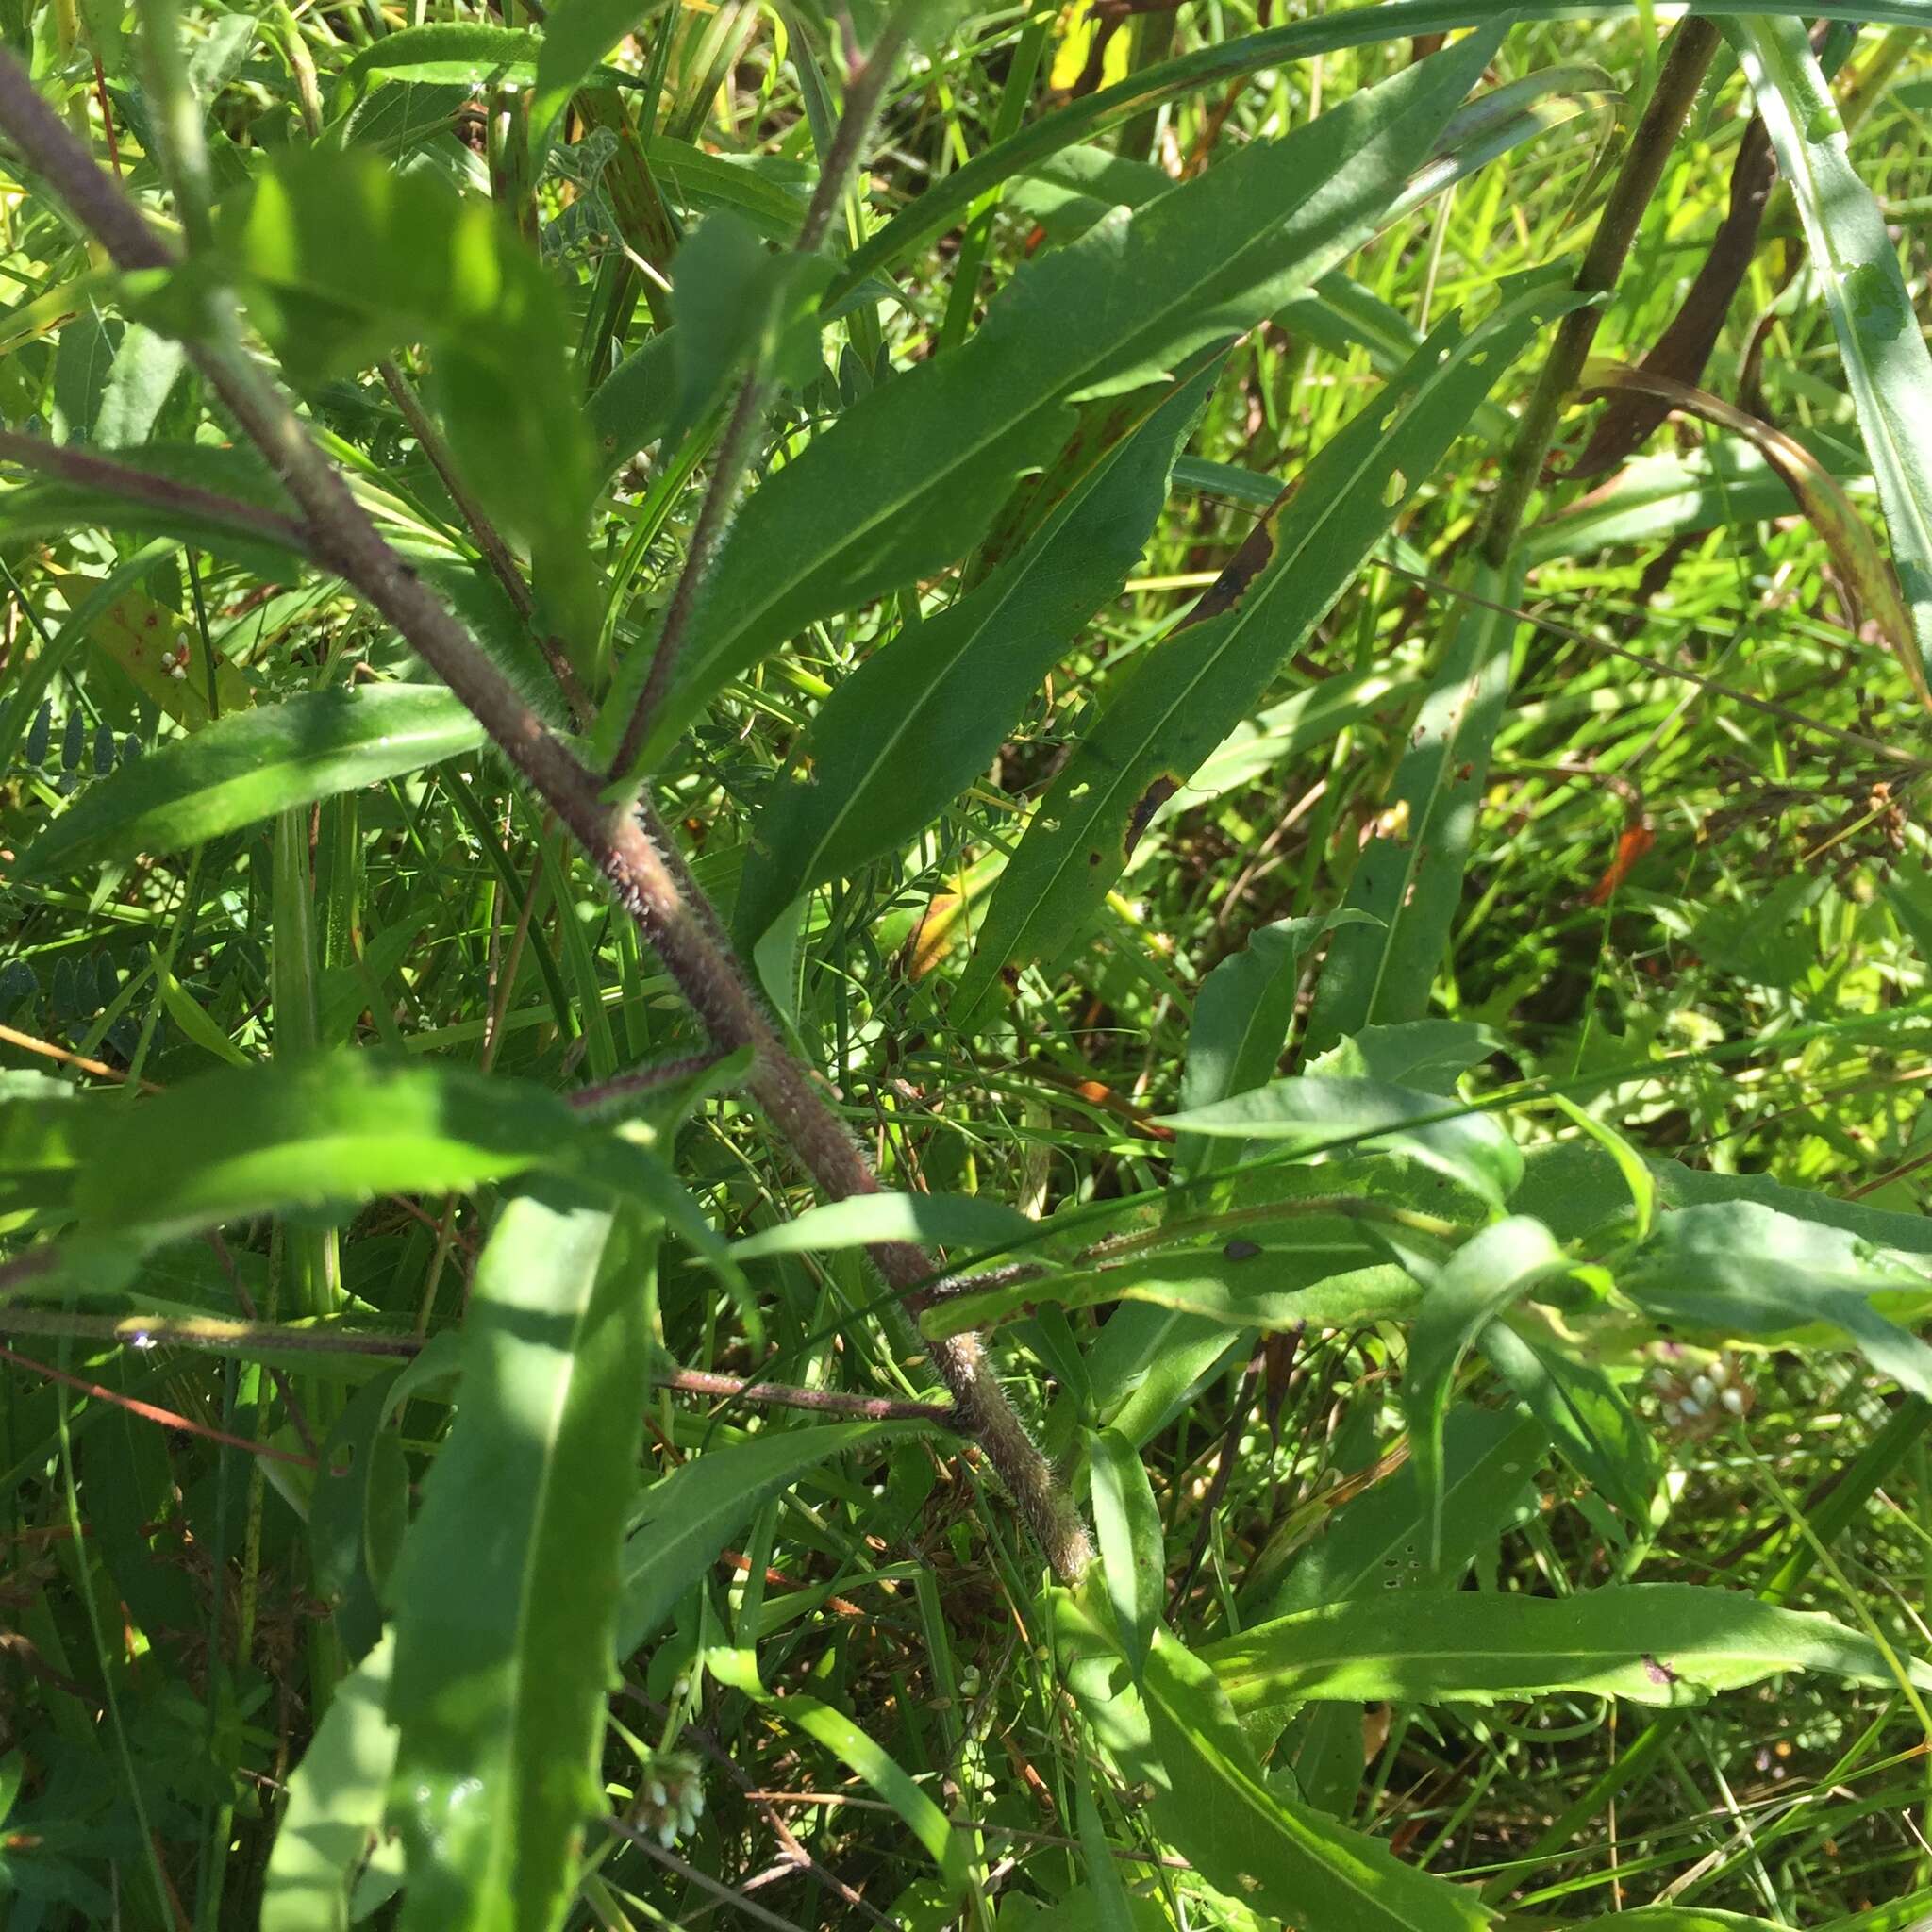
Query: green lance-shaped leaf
[[1146, 1359], [1577, 1190], [1112, 1907], [1133, 1556], [343, 257], [905, 482], [1887, 366], [340, 1128], [1311, 1116], [740, 310], [769, 193], [469, 52], [1902, 1914], [1657, 497], [1183, 697], [1410, 880], [689, 1517], [1074, 187], [1711, 1918], [1281, 1859], [972, 1220], [1499, 1266], [507, 1588], [631, 406], [1284, 731], [145, 369], [1239, 1030], [357, 1509], [1737, 1268], [46, 1130], [1377, 1541], [920, 721], [52, 507], [1661, 1644], [332, 1822], [1428, 1055], [1321, 1273], [252, 764], [947, 202]]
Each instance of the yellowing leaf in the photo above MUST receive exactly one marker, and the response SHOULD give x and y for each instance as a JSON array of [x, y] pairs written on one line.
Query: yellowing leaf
[[148, 640]]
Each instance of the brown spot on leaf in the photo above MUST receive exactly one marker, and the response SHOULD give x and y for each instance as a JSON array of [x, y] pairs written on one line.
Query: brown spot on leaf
[[1657, 1672], [1247, 563], [1149, 802]]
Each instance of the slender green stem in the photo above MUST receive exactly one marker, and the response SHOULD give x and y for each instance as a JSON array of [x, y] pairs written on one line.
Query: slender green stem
[[302, 65]]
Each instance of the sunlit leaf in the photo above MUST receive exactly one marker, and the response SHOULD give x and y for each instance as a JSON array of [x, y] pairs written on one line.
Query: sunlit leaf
[[910, 476], [507, 1589], [333, 1822], [335, 1130], [687, 1517], [920, 720], [1314, 1116], [1881, 348], [1502, 1264], [252, 764], [964, 1220], [1658, 1643], [1183, 696], [1737, 1268], [1132, 1553]]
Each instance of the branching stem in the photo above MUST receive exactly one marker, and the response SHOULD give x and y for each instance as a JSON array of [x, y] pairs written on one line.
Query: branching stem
[[255, 1340], [734, 451], [650, 883]]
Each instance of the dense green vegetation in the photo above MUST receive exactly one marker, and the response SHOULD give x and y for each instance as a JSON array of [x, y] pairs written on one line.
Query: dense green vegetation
[[964, 970]]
